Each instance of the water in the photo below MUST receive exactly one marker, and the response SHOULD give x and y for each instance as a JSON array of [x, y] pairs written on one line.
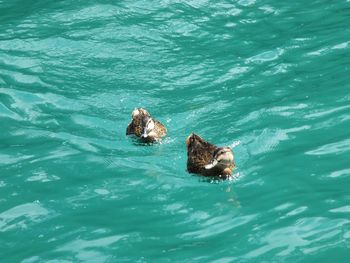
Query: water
[[272, 75]]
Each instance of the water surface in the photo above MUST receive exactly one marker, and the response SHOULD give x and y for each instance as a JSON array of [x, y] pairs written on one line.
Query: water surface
[[272, 75]]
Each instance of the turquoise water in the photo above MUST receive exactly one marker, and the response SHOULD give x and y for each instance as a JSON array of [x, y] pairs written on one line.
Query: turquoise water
[[270, 74]]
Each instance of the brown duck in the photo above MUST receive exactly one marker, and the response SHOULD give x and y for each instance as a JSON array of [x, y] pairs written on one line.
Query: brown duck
[[145, 127], [207, 159]]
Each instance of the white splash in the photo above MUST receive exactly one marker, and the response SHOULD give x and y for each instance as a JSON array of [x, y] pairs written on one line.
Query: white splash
[[235, 143]]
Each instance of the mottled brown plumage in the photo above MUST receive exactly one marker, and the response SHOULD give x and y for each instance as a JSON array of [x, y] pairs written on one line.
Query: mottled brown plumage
[[145, 127], [207, 159], [135, 127]]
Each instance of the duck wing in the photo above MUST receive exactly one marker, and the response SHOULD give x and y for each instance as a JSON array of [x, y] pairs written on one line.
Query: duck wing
[[160, 128], [135, 127], [198, 157]]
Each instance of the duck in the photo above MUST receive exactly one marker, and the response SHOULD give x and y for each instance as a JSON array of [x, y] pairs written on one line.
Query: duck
[[144, 127], [208, 159]]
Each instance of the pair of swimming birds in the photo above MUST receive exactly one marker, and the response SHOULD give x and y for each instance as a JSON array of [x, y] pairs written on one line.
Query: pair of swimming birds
[[202, 157]]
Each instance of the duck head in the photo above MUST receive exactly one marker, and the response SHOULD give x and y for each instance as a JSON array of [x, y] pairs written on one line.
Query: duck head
[[222, 159]]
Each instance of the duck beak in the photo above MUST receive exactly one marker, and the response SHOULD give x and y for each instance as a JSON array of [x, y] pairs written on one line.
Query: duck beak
[[211, 165], [144, 134]]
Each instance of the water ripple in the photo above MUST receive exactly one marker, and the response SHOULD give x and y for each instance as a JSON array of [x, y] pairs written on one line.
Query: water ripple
[[22, 216], [332, 148], [272, 76]]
